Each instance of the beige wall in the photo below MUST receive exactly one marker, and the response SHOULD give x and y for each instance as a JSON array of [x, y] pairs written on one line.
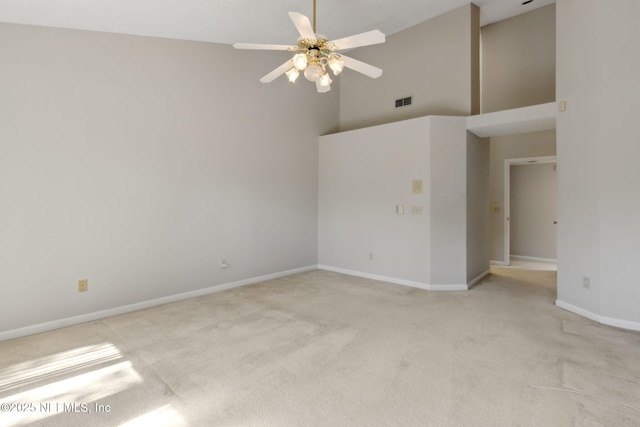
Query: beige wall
[[598, 152], [478, 238], [511, 147], [518, 70], [518, 61], [366, 173], [435, 62], [138, 163]]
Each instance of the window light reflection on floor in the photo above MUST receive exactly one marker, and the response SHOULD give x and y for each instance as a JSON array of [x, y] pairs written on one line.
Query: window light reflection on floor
[[161, 417], [56, 364], [88, 386]]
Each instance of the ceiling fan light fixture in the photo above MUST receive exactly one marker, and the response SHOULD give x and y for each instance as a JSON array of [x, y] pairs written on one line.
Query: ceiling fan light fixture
[[314, 53], [300, 61], [336, 65], [292, 74], [313, 72]]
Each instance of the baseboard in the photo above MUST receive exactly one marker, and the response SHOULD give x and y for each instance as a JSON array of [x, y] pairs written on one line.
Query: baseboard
[[478, 279], [532, 258], [493, 262], [375, 277], [449, 287], [75, 320], [610, 321], [394, 280]]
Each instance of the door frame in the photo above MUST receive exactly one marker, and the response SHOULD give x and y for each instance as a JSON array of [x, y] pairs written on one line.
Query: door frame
[[507, 196]]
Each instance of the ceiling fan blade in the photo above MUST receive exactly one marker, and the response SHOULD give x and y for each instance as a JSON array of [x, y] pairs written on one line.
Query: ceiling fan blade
[[362, 39], [277, 72], [303, 25], [263, 46], [361, 67]]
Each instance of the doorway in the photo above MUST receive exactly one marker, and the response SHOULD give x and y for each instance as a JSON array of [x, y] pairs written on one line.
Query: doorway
[[529, 210]]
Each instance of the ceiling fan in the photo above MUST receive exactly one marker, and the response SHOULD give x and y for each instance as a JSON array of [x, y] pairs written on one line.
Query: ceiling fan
[[316, 53]]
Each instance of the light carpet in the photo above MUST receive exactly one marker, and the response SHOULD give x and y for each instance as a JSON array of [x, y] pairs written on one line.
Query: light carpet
[[325, 349]]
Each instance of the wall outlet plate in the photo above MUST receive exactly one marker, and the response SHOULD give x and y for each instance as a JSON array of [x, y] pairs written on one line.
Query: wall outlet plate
[[416, 186], [562, 106]]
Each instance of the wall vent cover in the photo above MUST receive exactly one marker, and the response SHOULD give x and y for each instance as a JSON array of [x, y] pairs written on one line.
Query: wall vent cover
[[402, 102]]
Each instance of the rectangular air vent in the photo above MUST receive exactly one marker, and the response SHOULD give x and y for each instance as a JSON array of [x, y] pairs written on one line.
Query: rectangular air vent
[[402, 102]]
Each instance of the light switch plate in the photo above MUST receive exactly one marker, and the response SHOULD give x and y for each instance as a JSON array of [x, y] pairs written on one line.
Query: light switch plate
[[416, 186]]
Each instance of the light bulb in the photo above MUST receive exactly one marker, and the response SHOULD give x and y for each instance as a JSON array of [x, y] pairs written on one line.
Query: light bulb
[[300, 61], [292, 74], [313, 72], [336, 65]]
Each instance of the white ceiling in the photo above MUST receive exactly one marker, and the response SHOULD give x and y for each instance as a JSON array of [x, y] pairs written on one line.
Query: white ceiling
[[249, 21]]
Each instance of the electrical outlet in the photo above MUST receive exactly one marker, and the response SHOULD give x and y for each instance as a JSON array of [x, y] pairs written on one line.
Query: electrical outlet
[[83, 285], [586, 282], [223, 263]]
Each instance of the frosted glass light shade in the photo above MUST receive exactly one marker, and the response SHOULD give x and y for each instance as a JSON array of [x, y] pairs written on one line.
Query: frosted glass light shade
[[322, 88], [325, 80], [313, 72], [292, 74], [336, 65], [300, 61]]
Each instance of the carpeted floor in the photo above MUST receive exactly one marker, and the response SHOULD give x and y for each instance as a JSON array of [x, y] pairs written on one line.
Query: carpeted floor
[[324, 349]]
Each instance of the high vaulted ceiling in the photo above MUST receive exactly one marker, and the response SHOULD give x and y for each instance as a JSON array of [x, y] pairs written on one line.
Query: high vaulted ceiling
[[230, 21]]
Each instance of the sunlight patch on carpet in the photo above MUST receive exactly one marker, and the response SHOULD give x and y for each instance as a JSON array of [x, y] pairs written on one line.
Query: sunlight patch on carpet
[[42, 368], [69, 394], [161, 417]]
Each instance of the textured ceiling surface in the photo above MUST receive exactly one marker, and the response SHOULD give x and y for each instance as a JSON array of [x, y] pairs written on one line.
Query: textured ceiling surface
[[230, 21]]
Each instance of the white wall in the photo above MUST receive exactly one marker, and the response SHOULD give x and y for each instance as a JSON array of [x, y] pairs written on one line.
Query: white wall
[[532, 144], [533, 210], [436, 62], [519, 61], [478, 232], [518, 70], [598, 152], [366, 173], [448, 201], [138, 163]]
